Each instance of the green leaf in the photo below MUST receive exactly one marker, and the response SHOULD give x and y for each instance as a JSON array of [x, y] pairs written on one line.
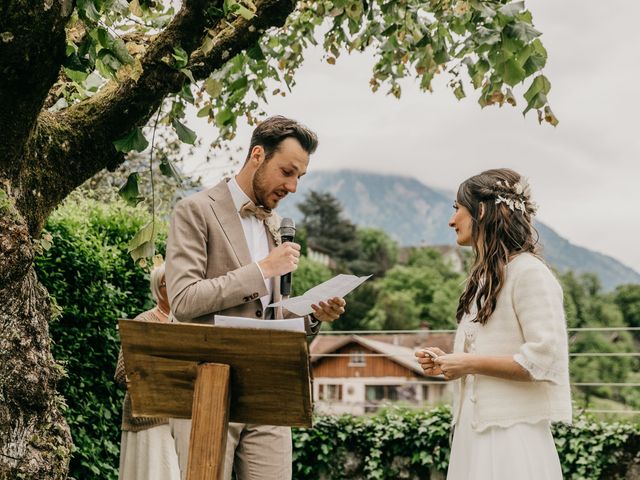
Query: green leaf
[[537, 101], [168, 169], [256, 53], [134, 140], [523, 31], [539, 85], [185, 134], [389, 30], [204, 111], [483, 9], [511, 9], [213, 87], [488, 37], [537, 60], [130, 191], [87, 10], [207, 44], [181, 58], [424, 41], [186, 93], [189, 75], [512, 73], [459, 92], [477, 72], [142, 245], [75, 75], [120, 51], [177, 110], [244, 12], [238, 84], [107, 63], [224, 118]]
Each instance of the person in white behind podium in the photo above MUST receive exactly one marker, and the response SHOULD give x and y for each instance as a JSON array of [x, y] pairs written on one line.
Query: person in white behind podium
[[224, 257], [510, 361]]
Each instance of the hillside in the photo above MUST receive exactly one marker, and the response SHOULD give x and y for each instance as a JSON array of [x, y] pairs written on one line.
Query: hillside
[[416, 214]]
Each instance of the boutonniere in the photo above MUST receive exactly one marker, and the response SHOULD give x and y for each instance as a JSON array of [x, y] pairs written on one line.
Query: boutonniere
[[274, 228]]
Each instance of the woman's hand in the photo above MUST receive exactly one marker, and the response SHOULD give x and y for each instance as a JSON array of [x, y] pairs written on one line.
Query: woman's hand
[[426, 361], [455, 365]]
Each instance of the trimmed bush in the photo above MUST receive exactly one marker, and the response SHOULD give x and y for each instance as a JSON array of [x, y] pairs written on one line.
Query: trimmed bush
[[90, 275], [410, 444]]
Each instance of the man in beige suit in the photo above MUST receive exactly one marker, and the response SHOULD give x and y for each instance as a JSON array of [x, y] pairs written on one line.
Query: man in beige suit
[[224, 256]]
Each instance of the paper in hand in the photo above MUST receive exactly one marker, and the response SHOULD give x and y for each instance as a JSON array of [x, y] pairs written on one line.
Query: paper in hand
[[338, 286]]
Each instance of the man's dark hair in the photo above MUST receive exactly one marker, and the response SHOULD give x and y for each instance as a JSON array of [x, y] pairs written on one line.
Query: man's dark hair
[[272, 131]]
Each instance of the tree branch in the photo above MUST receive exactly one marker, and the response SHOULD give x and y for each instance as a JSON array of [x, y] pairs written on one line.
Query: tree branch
[[230, 39], [73, 145], [32, 48]]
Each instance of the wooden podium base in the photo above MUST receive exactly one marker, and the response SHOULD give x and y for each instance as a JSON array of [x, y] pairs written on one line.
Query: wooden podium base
[[210, 422]]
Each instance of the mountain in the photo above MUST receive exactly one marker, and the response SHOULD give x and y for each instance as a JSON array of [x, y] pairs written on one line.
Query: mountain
[[416, 214]]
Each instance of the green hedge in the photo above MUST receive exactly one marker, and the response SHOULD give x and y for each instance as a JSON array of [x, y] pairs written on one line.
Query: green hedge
[[93, 280], [401, 443]]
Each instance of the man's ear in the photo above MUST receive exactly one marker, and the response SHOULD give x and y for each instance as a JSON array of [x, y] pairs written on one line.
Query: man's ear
[[257, 155]]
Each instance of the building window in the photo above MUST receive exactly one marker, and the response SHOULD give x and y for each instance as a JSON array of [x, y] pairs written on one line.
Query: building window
[[379, 393], [425, 393], [330, 393], [376, 395], [357, 359]]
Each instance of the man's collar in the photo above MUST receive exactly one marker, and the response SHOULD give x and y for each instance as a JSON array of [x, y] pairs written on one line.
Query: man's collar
[[237, 194]]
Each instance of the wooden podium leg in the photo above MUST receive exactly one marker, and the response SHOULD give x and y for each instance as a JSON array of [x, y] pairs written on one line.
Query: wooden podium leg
[[210, 422]]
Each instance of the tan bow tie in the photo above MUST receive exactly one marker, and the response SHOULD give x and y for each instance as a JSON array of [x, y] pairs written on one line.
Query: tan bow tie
[[250, 208]]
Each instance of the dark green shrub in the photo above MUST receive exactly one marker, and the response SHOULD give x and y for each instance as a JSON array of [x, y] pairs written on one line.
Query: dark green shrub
[[394, 444], [94, 281], [415, 445]]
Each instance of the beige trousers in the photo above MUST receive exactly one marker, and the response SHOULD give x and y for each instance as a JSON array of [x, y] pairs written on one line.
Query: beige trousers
[[254, 452]]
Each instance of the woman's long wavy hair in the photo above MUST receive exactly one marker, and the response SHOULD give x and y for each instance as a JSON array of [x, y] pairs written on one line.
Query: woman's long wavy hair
[[499, 230]]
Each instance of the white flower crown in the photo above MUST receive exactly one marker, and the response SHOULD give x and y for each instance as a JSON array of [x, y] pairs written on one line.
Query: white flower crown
[[516, 196]]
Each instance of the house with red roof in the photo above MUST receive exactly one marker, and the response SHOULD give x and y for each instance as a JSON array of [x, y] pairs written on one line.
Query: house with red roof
[[358, 374]]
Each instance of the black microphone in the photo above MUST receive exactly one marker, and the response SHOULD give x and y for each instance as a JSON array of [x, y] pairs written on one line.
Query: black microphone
[[287, 234]]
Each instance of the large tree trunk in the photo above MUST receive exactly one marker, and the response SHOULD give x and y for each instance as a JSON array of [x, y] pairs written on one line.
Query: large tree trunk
[[43, 157], [34, 438]]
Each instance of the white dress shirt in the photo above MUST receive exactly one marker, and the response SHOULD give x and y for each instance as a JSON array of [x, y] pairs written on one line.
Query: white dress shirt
[[256, 235]]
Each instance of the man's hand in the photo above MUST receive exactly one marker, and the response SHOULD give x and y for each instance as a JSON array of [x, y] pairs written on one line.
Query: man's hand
[[330, 310], [282, 259]]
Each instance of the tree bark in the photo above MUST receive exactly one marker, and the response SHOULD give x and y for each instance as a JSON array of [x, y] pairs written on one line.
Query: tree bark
[[44, 156], [34, 438]]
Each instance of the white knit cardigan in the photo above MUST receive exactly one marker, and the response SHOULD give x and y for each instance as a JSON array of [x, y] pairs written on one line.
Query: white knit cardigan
[[528, 323]]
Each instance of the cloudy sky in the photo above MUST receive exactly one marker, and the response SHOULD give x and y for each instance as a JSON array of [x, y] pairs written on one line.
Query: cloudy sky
[[584, 173]]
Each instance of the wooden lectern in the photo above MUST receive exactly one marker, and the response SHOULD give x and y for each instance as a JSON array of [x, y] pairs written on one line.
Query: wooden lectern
[[215, 375]]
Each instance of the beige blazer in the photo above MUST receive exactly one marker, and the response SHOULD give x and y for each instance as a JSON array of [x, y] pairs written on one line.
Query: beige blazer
[[209, 269]]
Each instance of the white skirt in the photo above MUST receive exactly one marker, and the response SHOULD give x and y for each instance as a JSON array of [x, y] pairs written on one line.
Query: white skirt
[[520, 452], [149, 455]]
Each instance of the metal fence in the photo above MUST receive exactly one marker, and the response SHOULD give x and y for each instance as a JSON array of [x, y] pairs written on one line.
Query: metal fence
[[635, 330]]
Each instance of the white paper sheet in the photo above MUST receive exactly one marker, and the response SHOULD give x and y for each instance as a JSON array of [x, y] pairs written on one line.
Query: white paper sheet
[[338, 286], [290, 324]]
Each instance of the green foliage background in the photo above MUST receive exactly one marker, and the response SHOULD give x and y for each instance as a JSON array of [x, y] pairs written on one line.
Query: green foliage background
[[92, 278], [400, 443]]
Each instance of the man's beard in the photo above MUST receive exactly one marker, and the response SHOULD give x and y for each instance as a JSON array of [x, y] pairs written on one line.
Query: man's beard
[[259, 188]]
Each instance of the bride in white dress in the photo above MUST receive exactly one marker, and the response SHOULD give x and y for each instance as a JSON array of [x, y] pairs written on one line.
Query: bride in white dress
[[510, 356]]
